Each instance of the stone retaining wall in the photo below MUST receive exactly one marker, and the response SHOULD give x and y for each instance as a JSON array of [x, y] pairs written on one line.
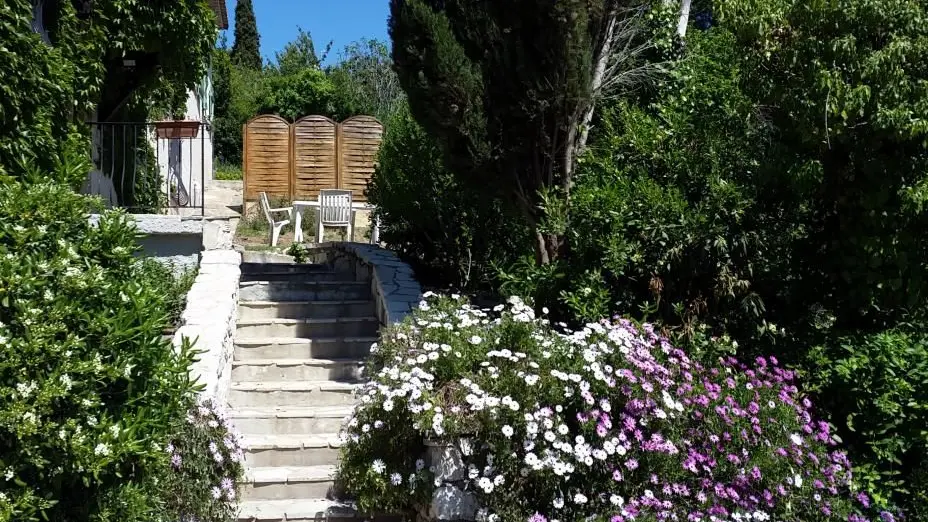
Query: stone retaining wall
[[393, 285], [178, 240], [209, 321]]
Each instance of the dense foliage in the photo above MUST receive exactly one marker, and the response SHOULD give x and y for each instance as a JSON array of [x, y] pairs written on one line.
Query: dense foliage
[[768, 191], [89, 391], [173, 282], [874, 386], [364, 78], [610, 422], [227, 132], [504, 90], [246, 49], [48, 88], [448, 233]]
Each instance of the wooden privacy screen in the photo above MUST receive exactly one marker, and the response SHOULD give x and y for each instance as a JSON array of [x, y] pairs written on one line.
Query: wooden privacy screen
[[358, 141], [314, 162], [296, 161], [266, 157]]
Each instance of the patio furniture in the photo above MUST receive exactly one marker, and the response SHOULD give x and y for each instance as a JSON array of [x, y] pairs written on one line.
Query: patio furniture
[[334, 211], [300, 205], [276, 225]]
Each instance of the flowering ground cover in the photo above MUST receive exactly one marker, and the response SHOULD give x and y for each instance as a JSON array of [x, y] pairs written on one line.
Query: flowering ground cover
[[207, 465], [610, 422]]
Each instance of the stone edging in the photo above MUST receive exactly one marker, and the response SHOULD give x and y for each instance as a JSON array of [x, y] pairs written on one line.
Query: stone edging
[[209, 320], [393, 285]]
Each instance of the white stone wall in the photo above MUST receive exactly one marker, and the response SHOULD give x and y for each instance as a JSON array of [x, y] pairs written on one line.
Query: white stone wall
[[393, 284], [209, 321]]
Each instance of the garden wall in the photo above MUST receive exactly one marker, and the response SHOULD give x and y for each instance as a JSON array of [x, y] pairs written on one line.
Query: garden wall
[[178, 240], [393, 284], [209, 321]]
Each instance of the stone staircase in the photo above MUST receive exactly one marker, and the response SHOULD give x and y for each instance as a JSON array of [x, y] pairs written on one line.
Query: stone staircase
[[302, 334]]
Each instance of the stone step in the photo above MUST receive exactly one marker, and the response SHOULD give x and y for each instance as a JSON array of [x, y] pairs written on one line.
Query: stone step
[[302, 348], [252, 310], [290, 421], [304, 290], [297, 510], [291, 450], [291, 482], [253, 268], [347, 370], [286, 393], [283, 275], [346, 326]]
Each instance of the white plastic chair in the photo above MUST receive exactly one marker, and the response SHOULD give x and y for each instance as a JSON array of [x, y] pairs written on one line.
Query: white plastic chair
[[276, 225], [334, 211]]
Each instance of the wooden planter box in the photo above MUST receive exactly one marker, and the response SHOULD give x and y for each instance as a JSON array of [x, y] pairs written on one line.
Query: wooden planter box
[[177, 129]]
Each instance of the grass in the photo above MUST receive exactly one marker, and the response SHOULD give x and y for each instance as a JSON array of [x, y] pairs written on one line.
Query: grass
[[228, 172], [253, 230]]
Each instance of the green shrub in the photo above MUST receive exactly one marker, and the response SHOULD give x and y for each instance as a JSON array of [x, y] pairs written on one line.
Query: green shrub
[[449, 234], [229, 172], [169, 281], [610, 422], [206, 468], [876, 388], [298, 252], [89, 391]]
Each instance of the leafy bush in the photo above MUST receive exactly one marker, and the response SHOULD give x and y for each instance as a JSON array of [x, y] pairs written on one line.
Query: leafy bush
[[298, 252], [228, 172], [304, 92], [88, 388], [206, 467], [169, 281], [876, 386], [449, 234], [608, 422]]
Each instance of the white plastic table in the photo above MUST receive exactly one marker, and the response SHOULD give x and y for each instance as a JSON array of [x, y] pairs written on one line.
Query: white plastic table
[[299, 205]]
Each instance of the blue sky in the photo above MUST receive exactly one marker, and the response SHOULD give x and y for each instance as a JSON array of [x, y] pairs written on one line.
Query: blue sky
[[343, 21]]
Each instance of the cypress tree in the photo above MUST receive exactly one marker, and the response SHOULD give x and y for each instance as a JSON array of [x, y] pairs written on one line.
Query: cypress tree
[[246, 51], [506, 88]]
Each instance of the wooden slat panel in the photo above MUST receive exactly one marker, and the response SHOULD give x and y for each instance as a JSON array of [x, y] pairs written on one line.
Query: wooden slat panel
[[315, 153], [359, 141], [267, 157], [314, 160]]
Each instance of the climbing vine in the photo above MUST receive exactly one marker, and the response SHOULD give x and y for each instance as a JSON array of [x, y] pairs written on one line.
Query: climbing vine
[[117, 55]]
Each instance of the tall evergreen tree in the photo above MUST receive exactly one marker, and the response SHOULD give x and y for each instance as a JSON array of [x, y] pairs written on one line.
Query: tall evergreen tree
[[246, 51], [508, 88]]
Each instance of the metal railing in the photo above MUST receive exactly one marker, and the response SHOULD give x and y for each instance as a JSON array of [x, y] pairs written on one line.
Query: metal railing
[[147, 167]]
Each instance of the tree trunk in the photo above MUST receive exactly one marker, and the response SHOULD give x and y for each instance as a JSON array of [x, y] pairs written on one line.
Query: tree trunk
[[684, 18], [599, 75], [548, 248]]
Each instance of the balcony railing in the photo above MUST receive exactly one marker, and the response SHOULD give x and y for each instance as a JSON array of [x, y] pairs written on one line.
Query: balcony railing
[[146, 171]]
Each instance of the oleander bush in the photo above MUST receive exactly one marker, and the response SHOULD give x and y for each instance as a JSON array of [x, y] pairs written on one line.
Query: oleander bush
[[610, 422], [90, 392]]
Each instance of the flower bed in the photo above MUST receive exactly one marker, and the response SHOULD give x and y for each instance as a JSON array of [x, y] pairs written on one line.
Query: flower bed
[[610, 422]]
